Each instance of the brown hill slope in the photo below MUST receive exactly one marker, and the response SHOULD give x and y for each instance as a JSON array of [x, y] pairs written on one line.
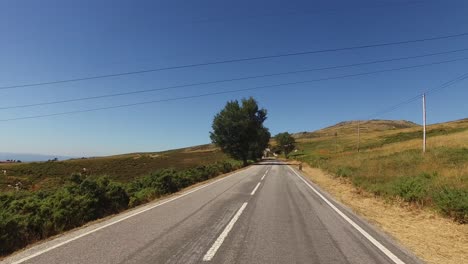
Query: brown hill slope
[[348, 127], [123, 168]]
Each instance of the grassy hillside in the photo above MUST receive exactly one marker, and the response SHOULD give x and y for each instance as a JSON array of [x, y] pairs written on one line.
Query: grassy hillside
[[391, 164], [58, 196], [350, 127], [122, 168]]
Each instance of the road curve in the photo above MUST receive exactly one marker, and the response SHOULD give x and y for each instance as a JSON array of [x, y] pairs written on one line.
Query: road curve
[[267, 213]]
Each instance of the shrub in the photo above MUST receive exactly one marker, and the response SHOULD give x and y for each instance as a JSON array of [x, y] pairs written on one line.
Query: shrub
[[345, 172], [115, 197], [226, 167], [13, 232], [29, 216], [452, 202], [414, 189], [184, 179], [142, 196], [165, 182]]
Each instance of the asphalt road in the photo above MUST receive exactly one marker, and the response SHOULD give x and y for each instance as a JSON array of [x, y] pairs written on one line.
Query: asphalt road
[[266, 213]]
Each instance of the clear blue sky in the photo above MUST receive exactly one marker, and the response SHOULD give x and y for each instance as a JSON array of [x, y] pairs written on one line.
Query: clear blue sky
[[52, 40]]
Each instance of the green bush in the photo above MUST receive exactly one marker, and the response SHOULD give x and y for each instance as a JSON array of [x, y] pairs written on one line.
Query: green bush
[[377, 185], [38, 215], [414, 189], [29, 216], [184, 179], [345, 172], [226, 167], [166, 182], [142, 196], [13, 232], [452, 202]]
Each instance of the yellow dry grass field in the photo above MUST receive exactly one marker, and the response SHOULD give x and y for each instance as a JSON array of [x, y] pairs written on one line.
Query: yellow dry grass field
[[433, 238], [392, 156]]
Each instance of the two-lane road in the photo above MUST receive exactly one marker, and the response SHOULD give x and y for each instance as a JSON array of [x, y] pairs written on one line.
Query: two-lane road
[[266, 213]]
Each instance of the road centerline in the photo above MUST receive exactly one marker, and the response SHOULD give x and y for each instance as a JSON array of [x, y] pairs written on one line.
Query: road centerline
[[265, 174], [255, 189], [219, 241]]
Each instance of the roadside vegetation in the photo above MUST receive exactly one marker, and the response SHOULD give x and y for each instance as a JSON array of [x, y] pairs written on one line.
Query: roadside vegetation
[[28, 216], [121, 168], [390, 163], [38, 200], [285, 143]]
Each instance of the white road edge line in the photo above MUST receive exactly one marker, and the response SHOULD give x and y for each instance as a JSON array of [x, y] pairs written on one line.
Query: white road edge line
[[119, 220], [376, 243], [255, 189], [217, 244]]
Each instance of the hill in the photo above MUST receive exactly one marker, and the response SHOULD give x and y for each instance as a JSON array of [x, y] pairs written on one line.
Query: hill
[[390, 161], [42, 199], [348, 127], [122, 168]]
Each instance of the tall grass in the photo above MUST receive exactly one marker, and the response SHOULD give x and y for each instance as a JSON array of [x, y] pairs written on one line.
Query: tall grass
[[392, 165]]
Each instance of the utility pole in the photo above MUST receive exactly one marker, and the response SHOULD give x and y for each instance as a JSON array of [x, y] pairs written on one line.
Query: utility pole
[[358, 136], [424, 122], [336, 142]]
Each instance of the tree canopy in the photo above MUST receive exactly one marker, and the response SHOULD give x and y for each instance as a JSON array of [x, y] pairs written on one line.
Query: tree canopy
[[238, 130], [286, 143]]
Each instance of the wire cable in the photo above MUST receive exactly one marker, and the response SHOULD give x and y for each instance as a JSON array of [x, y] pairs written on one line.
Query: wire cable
[[209, 94], [417, 97], [234, 61], [235, 79]]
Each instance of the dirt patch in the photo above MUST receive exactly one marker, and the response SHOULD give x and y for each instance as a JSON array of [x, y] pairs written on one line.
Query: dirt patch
[[431, 237]]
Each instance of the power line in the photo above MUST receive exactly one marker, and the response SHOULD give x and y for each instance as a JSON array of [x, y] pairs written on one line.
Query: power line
[[233, 61], [412, 99], [213, 93], [417, 97], [238, 79], [448, 84]]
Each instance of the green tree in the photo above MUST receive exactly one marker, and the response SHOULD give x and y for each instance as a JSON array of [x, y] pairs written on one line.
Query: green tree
[[286, 143], [238, 130]]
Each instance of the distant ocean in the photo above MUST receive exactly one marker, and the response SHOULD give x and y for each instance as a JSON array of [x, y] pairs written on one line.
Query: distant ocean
[[25, 157]]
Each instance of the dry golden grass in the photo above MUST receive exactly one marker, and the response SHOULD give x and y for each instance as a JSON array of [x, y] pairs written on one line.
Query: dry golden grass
[[391, 163], [374, 130], [385, 159], [350, 127], [431, 237], [431, 161], [452, 140]]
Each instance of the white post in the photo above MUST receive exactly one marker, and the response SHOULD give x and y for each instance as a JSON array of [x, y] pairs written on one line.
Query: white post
[[358, 136], [424, 123]]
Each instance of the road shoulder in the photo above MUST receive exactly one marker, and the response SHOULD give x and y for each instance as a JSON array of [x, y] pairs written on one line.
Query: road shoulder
[[430, 236]]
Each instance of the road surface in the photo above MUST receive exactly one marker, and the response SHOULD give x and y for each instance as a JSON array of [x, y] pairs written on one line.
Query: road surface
[[267, 213]]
